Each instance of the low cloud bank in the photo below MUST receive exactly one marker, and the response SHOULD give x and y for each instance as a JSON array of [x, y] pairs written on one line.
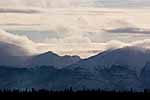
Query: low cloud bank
[[16, 42], [84, 48]]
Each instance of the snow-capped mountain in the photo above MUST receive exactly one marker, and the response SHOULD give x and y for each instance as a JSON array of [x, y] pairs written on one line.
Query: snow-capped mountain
[[133, 58]]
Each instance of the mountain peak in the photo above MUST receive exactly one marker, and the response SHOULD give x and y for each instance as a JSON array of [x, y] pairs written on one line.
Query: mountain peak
[[49, 53], [52, 59]]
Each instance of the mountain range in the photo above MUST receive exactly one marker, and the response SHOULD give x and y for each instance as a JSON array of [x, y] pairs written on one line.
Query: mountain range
[[15, 56], [120, 69], [132, 57], [52, 59]]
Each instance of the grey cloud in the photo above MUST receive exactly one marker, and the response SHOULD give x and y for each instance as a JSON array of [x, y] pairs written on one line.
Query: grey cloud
[[128, 30], [35, 35], [15, 10], [122, 3], [18, 24], [8, 49]]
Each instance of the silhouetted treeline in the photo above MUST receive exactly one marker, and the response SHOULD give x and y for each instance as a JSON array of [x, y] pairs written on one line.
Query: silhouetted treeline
[[71, 93]]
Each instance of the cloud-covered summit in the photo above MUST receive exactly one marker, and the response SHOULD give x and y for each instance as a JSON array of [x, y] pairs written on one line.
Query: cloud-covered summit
[[16, 44]]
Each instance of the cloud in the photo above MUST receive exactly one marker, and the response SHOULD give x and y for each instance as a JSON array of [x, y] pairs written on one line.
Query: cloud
[[128, 30], [71, 30], [75, 45], [75, 3], [80, 46], [19, 10], [47, 3], [19, 41], [81, 31], [123, 3], [142, 43], [7, 50], [88, 49]]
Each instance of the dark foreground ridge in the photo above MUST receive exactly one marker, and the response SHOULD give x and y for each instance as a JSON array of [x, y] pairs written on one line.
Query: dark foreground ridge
[[71, 93]]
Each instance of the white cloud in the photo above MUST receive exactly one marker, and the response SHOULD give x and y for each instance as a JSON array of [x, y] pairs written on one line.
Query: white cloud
[[142, 43], [75, 3], [73, 32], [76, 30], [20, 41], [46, 3], [82, 46], [89, 48], [78, 45]]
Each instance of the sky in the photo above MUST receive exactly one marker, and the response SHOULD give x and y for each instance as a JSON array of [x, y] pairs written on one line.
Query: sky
[[74, 27]]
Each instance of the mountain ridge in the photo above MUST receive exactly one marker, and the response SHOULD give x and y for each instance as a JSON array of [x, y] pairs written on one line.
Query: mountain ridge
[[133, 57]]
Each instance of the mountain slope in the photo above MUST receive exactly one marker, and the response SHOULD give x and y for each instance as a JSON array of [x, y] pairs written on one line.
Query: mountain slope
[[16, 56], [12, 55], [145, 74], [113, 69], [132, 57], [117, 77]]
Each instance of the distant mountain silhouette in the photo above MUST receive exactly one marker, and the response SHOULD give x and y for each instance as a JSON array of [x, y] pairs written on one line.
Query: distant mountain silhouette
[[15, 56], [52, 59], [120, 69], [115, 78]]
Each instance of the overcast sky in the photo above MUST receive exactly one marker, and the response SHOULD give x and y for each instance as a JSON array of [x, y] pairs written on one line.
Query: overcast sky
[[76, 27], [75, 3]]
